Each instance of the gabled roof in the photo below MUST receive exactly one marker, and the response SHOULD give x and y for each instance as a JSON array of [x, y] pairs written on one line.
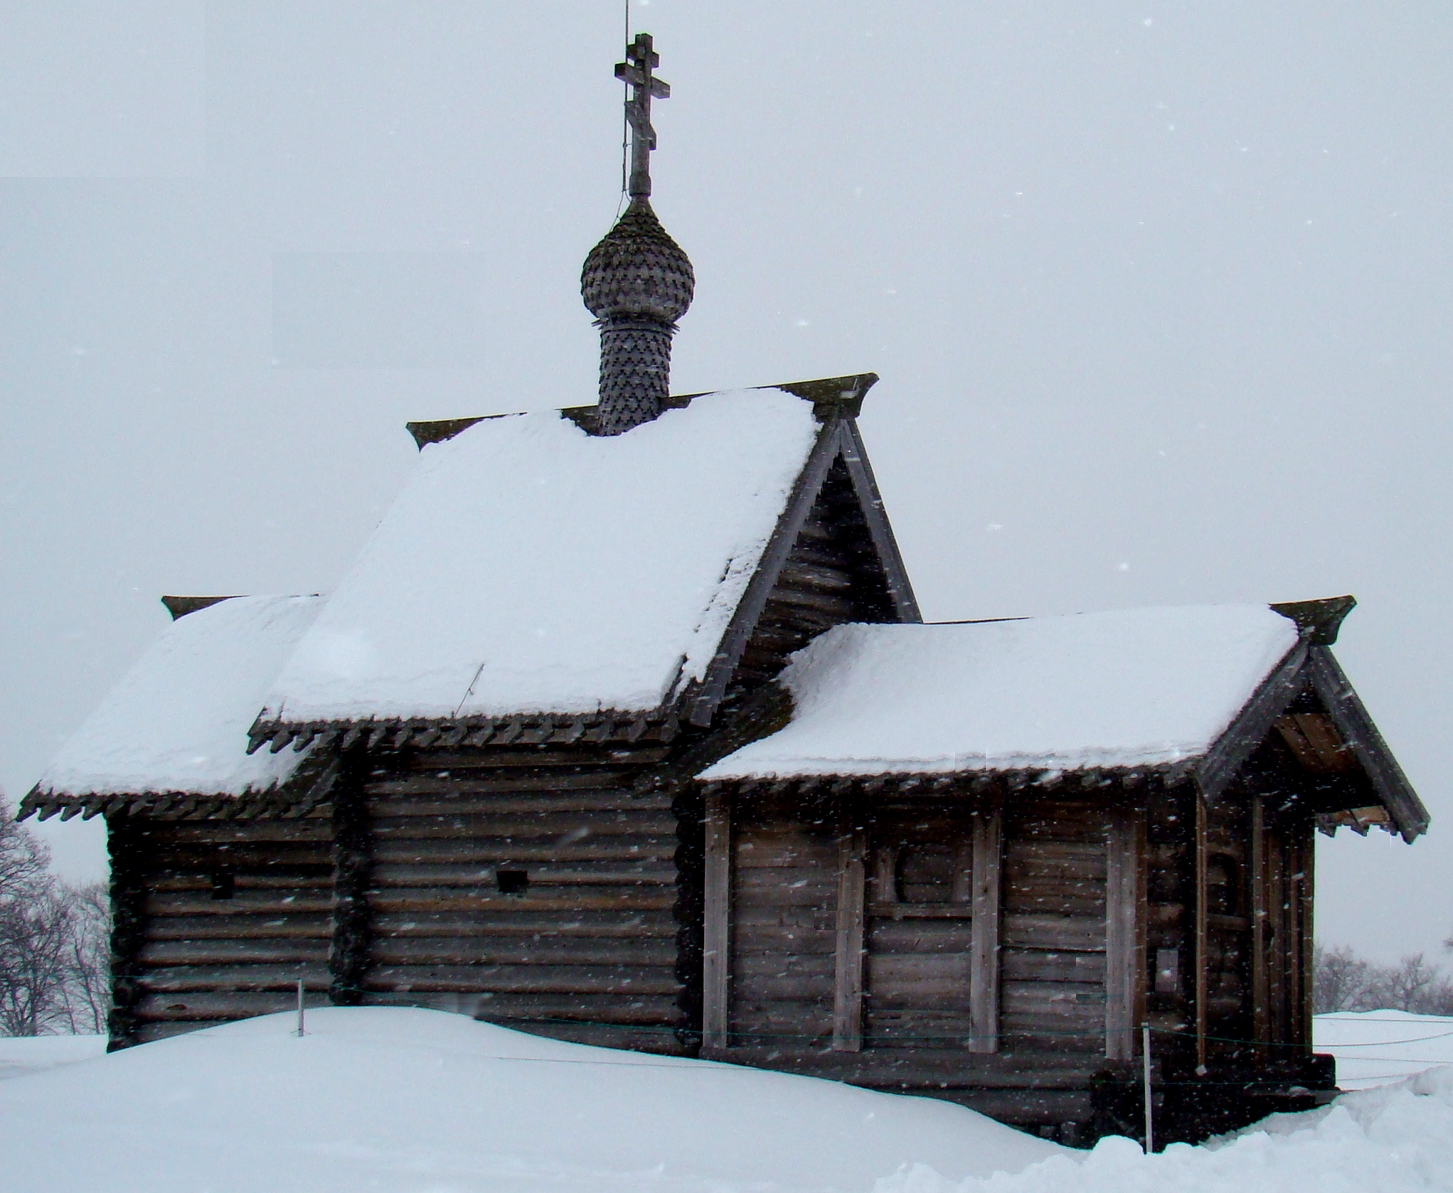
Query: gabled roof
[[1193, 691], [1134, 688], [177, 723], [533, 574]]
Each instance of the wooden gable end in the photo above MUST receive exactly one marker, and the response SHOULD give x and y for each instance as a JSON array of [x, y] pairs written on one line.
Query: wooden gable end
[[832, 559], [1306, 732]]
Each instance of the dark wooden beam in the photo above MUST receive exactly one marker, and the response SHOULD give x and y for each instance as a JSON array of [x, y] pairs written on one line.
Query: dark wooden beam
[[847, 1011], [1215, 771], [1359, 732], [348, 956], [984, 928], [127, 847], [900, 589], [739, 631], [1124, 933], [716, 930]]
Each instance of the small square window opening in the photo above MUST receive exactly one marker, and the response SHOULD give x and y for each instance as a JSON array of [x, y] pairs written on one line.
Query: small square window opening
[[512, 882]]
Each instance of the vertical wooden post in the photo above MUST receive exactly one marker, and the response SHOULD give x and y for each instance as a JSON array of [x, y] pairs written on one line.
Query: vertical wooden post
[[847, 993], [125, 841], [1307, 848], [1260, 989], [716, 927], [1124, 938], [351, 950], [1202, 930], [984, 930]]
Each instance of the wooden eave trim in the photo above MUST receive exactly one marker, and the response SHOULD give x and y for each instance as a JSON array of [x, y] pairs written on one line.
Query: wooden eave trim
[[765, 711], [865, 485], [1356, 726], [953, 784], [1220, 763], [306, 790], [534, 729], [805, 490]]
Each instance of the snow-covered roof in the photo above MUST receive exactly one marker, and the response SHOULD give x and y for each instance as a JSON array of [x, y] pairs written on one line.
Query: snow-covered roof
[[178, 720], [1122, 689], [530, 567]]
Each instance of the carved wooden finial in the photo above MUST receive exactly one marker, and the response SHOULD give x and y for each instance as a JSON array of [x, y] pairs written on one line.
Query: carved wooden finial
[[636, 70]]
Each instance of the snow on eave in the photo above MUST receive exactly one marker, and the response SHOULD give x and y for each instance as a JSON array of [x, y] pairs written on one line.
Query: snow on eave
[[175, 726], [533, 571], [1126, 690]]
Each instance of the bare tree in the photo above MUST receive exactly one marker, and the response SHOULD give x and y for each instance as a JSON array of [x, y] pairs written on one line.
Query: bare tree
[[1343, 981], [88, 983], [1404, 986], [54, 943], [1340, 979]]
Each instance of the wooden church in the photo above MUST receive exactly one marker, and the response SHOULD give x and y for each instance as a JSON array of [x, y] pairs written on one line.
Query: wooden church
[[625, 729]]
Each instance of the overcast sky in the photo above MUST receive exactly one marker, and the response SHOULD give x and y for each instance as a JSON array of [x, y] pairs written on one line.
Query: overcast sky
[[1160, 296]]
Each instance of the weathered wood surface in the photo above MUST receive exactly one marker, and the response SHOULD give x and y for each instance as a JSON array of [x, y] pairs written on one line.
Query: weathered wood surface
[[1124, 933], [783, 875], [920, 939], [716, 941], [847, 1014], [1054, 906], [224, 919], [985, 964], [589, 931], [832, 574]]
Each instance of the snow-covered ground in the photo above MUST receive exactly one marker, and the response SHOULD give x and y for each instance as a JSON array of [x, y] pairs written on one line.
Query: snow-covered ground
[[23, 1055], [1377, 1047], [419, 1101], [395, 1100]]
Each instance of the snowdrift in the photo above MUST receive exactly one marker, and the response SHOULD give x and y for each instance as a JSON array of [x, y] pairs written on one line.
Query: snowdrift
[[396, 1099], [1396, 1139]]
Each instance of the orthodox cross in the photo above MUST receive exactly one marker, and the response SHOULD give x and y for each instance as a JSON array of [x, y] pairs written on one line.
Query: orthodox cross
[[636, 71]]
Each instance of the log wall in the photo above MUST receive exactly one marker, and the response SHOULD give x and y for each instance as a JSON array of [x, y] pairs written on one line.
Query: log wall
[[832, 575], [1055, 867], [786, 978], [783, 925], [218, 920], [535, 888]]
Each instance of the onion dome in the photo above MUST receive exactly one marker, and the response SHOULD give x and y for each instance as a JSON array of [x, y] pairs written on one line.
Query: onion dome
[[637, 271]]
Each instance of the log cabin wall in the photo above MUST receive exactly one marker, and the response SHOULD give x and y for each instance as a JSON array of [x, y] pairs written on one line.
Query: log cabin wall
[[217, 920], [832, 575], [783, 941], [1055, 871], [1279, 889], [533, 887], [1052, 889], [1227, 929], [1171, 920], [919, 941]]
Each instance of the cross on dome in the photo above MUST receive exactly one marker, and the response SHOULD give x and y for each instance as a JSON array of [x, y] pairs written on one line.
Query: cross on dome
[[636, 70]]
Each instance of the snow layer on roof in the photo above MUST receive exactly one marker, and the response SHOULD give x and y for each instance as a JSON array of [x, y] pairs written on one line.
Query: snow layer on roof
[[531, 567], [178, 720], [1129, 688]]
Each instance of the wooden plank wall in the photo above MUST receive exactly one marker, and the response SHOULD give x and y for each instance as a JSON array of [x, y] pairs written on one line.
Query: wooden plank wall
[[784, 928], [1170, 918], [918, 989], [230, 916], [1053, 957], [1281, 888], [793, 926], [832, 575], [528, 887], [1227, 926]]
